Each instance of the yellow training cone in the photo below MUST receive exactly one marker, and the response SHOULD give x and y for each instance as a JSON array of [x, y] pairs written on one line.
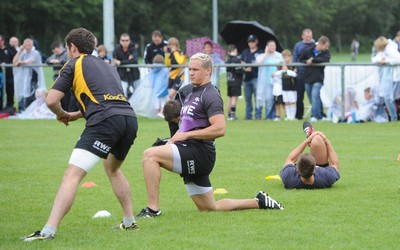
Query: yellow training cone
[[220, 191], [272, 177]]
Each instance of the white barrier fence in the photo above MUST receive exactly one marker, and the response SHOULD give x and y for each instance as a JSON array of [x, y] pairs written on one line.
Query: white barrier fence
[[338, 76]]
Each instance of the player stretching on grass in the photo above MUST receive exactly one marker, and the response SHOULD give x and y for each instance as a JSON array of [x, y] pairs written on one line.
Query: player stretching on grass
[[191, 152], [317, 169], [110, 131]]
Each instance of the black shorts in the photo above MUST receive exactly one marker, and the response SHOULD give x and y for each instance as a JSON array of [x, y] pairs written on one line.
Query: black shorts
[[175, 83], [278, 99], [235, 90], [197, 161], [114, 135]]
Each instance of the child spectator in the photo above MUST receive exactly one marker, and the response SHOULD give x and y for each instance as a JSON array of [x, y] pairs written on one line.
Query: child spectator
[[286, 75], [159, 79], [151, 94], [371, 110], [208, 48], [234, 81], [350, 106], [102, 51]]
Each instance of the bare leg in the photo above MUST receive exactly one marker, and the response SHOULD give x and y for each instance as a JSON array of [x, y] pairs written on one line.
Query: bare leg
[[119, 184], [318, 150], [65, 195], [277, 110], [234, 101], [229, 104], [206, 202], [152, 159]]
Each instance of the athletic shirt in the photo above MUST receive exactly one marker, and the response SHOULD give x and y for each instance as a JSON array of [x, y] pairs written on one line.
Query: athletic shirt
[[204, 102], [324, 177], [97, 88]]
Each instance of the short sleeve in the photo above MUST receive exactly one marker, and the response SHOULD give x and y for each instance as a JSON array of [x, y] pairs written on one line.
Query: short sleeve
[[65, 78]]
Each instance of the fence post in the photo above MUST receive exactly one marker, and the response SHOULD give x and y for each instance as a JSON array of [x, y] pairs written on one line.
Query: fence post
[[342, 70], [3, 89]]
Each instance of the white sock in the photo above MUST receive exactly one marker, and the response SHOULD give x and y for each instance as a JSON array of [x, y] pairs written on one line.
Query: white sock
[[128, 221], [47, 230], [287, 111]]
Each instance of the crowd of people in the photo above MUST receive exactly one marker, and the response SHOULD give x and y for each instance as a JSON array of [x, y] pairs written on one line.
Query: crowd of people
[[279, 90]]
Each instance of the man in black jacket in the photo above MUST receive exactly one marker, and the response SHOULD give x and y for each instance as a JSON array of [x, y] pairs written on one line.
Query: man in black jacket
[[314, 75], [126, 53], [6, 56], [156, 47]]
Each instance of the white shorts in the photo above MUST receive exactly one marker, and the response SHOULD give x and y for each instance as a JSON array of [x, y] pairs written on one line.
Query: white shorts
[[83, 159], [289, 96]]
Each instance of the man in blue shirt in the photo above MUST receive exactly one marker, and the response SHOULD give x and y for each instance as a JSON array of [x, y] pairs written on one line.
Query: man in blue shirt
[[317, 169]]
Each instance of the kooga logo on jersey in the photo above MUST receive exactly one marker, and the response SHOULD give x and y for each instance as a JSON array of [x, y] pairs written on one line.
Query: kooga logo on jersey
[[119, 97]]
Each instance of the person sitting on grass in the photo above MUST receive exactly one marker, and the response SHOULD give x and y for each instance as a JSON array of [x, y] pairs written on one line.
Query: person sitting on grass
[[317, 169]]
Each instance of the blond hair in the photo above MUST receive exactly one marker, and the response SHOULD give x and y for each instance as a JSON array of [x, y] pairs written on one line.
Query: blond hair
[[286, 52], [102, 48], [158, 59], [205, 59], [173, 41], [380, 43]]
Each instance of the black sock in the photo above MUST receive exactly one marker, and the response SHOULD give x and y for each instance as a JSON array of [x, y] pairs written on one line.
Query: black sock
[[152, 211], [233, 111]]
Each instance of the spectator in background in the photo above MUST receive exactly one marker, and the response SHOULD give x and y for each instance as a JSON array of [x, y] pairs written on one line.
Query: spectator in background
[[314, 76], [102, 51], [6, 78], [307, 41], [159, 79], [355, 45], [208, 48], [234, 77], [389, 76], [264, 95], [250, 74], [174, 56], [14, 43], [156, 47], [95, 52], [370, 110], [152, 92], [125, 53], [27, 79], [58, 59], [397, 40], [286, 75], [350, 106]]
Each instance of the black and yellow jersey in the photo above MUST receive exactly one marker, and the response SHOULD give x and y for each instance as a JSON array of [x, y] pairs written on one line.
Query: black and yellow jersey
[[97, 88], [176, 58]]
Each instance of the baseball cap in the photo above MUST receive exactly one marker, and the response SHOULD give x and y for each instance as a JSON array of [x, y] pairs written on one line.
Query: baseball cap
[[251, 38]]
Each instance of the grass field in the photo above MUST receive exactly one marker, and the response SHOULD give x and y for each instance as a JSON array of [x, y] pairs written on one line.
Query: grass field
[[361, 211]]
